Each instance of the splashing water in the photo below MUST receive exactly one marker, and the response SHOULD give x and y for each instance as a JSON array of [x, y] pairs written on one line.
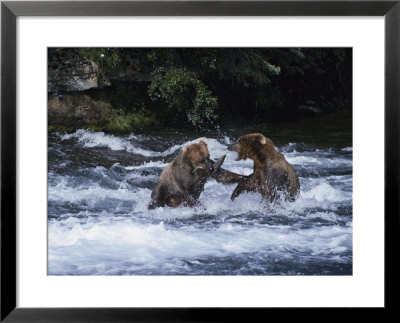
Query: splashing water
[[99, 187]]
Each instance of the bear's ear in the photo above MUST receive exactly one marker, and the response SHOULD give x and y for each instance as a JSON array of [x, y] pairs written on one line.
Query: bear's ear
[[202, 142], [184, 149], [262, 140]]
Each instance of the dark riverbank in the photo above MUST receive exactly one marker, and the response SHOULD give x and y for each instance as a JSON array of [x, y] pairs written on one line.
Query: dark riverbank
[[119, 91]]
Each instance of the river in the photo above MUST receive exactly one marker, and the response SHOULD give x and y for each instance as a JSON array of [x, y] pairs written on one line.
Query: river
[[99, 187]]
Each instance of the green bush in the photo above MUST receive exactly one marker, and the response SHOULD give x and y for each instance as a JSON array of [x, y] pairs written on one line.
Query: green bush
[[105, 58], [184, 94]]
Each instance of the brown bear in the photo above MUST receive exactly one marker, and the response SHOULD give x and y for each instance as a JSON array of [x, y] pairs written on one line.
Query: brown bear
[[273, 177], [183, 180]]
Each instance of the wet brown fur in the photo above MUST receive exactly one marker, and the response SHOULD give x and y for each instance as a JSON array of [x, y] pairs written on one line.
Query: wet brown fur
[[179, 183], [273, 177]]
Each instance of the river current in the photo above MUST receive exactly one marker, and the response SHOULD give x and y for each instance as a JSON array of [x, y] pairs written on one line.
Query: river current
[[99, 187]]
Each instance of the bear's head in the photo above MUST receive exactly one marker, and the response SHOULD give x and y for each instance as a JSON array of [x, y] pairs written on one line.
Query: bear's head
[[254, 146], [197, 154], [198, 157]]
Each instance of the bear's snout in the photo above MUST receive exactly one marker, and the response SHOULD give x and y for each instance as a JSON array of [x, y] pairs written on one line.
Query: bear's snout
[[233, 147]]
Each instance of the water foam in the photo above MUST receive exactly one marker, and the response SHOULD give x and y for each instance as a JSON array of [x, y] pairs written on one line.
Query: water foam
[[145, 244], [126, 238], [325, 192], [91, 139], [64, 192]]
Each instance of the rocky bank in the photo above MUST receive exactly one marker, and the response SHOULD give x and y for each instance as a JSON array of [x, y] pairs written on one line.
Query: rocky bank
[[81, 95]]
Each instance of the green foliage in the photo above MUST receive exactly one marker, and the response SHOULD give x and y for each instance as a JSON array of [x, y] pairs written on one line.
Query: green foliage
[[105, 58], [183, 93], [122, 122], [247, 67], [197, 86]]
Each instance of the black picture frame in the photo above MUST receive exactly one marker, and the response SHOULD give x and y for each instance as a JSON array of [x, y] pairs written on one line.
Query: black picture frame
[[10, 10]]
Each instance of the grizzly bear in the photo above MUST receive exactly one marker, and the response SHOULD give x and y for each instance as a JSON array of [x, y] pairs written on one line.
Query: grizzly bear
[[183, 180], [273, 177]]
